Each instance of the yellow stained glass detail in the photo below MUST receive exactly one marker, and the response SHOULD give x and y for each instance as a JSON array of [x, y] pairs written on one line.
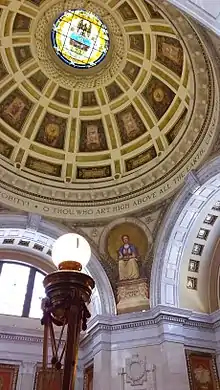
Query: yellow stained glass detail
[[80, 38]]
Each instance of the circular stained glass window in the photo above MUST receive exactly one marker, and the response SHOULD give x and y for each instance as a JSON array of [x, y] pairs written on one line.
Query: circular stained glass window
[[80, 39]]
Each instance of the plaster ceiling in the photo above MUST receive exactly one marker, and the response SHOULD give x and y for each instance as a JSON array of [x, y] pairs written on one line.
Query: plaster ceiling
[[149, 105]]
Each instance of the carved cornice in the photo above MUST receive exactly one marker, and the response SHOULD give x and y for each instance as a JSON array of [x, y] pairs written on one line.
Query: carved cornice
[[161, 318], [20, 338], [113, 324]]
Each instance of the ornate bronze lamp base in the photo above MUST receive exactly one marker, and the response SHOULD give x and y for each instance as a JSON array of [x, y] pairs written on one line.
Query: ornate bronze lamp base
[[67, 292]]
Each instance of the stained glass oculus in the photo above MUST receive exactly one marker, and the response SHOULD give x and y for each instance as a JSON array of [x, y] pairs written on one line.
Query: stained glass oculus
[[80, 39]]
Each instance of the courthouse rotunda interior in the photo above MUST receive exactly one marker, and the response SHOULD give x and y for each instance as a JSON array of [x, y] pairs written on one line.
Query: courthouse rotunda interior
[[109, 128]]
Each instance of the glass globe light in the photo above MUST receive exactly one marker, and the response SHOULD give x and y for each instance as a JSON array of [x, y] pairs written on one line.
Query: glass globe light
[[71, 247]]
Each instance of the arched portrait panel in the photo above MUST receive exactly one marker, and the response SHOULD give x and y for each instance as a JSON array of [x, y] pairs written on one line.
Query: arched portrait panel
[[127, 244]]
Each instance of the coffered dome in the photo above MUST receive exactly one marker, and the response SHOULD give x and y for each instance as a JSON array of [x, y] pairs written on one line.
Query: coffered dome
[[118, 134]]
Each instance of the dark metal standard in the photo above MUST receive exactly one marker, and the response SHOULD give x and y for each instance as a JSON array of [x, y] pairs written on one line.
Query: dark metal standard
[[67, 293]]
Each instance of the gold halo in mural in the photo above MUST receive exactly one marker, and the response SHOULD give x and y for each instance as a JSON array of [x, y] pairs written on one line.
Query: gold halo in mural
[[135, 236], [119, 132]]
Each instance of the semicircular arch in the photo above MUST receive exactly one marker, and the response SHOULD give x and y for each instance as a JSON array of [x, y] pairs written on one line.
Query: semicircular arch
[[34, 247], [188, 237]]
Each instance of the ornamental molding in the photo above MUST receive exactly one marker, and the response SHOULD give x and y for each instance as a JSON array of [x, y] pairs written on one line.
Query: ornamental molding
[[20, 338], [110, 324]]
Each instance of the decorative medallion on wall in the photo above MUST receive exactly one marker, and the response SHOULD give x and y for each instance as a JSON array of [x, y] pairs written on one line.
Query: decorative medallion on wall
[[138, 372], [117, 121]]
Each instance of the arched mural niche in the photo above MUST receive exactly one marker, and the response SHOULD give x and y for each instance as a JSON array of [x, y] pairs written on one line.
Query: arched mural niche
[[127, 243]]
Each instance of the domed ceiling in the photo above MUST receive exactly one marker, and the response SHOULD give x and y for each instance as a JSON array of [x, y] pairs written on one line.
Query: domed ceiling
[[111, 138]]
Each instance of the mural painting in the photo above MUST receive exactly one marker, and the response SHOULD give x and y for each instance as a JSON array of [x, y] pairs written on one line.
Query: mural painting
[[126, 12], [130, 124], [43, 166], [152, 10], [39, 80], [36, 2], [91, 173], [131, 71], [92, 136], [52, 131], [173, 133], [158, 95], [170, 53], [113, 91], [137, 42], [14, 109], [21, 23], [89, 99], [8, 377], [139, 160], [22, 54], [62, 95], [202, 371], [5, 149], [127, 245], [3, 71]]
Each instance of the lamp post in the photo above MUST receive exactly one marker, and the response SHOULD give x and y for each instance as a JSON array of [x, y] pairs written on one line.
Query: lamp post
[[67, 292]]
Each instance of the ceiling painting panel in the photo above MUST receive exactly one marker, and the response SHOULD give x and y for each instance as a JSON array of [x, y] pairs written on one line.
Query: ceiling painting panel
[[14, 109], [92, 136], [52, 131]]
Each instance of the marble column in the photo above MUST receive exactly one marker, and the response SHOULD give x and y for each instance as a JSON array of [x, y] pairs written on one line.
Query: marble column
[[174, 369], [102, 370], [26, 376]]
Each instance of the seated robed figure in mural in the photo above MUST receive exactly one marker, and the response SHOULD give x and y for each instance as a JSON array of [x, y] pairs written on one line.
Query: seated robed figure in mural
[[128, 257]]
